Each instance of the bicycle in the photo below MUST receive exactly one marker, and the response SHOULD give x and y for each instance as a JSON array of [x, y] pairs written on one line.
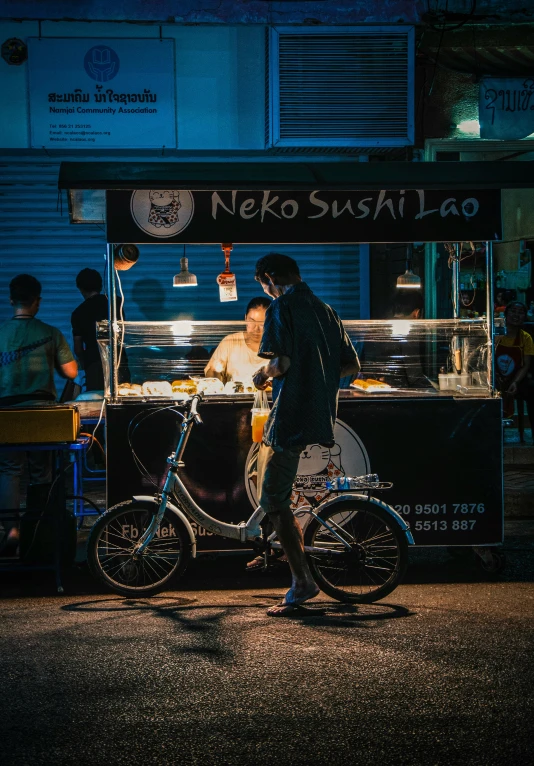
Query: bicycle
[[357, 545]]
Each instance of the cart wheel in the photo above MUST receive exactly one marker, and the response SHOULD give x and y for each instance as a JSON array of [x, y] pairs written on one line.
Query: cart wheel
[[460, 553], [489, 561]]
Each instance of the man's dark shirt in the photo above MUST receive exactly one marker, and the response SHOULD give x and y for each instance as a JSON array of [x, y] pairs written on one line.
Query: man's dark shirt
[[84, 319], [310, 333]]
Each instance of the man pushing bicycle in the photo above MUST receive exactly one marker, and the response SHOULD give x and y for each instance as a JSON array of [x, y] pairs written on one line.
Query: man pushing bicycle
[[308, 351]]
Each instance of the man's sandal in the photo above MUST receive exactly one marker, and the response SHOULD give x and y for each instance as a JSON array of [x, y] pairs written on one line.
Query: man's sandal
[[259, 562]]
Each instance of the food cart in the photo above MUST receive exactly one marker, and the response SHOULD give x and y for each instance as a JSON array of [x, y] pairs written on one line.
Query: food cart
[[439, 443]]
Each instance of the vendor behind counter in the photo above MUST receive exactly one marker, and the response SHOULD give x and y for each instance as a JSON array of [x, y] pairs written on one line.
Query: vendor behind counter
[[236, 356]]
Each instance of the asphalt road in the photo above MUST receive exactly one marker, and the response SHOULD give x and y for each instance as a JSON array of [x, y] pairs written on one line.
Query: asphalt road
[[440, 674]]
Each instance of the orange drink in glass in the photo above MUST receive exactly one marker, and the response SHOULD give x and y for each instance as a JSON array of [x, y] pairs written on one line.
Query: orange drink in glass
[[259, 418]]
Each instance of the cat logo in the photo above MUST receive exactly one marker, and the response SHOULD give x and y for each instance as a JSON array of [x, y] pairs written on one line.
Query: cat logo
[[317, 465], [162, 213]]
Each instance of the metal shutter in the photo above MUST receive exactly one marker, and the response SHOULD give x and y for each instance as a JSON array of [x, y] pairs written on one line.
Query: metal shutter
[[37, 238], [345, 87]]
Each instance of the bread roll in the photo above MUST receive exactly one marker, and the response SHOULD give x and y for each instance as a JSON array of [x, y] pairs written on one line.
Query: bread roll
[[184, 387], [210, 386], [157, 388]]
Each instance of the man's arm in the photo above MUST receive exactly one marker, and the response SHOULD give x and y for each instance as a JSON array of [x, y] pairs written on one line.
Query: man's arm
[[523, 370], [276, 345], [218, 364], [63, 361], [528, 352], [350, 364], [68, 370], [274, 369], [352, 368]]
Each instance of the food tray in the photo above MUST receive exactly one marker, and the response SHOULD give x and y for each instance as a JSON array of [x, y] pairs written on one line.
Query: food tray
[[374, 389]]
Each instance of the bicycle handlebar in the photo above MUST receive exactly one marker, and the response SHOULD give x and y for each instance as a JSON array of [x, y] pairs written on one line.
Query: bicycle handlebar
[[195, 399]]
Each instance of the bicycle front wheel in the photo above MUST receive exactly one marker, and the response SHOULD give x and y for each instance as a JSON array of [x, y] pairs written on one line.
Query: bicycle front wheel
[[370, 566], [111, 550]]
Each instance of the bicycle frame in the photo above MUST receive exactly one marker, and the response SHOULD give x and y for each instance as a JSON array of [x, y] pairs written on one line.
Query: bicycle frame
[[174, 487], [245, 531]]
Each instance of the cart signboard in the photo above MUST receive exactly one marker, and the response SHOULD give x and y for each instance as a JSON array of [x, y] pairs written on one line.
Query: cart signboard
[[169, 216]]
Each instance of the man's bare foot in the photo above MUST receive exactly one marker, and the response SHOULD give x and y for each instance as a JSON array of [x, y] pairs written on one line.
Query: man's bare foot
[[293, 599]]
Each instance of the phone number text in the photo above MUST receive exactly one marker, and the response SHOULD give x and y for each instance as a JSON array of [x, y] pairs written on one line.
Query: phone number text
[[457, 525], [444, 509]]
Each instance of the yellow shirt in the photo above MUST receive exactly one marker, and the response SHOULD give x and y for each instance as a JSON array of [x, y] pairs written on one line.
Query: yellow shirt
[[234, 360], [523, 341]]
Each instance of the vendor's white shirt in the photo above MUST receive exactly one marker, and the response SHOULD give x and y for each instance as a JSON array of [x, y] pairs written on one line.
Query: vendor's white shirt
[[233, 359]]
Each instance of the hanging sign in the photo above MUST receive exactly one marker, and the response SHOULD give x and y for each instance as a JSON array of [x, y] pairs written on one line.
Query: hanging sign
[[506, 108], [170, 216], [226, 280], [110, 93]]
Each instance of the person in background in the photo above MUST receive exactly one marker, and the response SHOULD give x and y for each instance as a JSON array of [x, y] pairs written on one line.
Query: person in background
[[513, 354], [408, 304], [83, 320], [236, 356], [308, 351], [30, 352]]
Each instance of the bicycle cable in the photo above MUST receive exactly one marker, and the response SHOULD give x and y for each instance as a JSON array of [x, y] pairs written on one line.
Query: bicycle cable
[[142, 416]]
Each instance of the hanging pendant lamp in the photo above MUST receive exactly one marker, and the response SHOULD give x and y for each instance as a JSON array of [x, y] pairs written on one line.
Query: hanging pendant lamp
[[185, 278], [409, 280]]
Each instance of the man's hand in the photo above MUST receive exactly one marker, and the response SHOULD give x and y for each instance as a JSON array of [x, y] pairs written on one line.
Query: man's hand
[[512, 388], [275, 369], [260, 379], [352, 368]]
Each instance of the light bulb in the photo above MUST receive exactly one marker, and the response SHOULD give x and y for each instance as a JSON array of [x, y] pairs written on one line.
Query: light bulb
[[184, 278]]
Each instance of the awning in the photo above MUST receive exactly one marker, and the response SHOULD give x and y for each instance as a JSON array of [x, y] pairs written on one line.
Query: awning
[[303, 176]]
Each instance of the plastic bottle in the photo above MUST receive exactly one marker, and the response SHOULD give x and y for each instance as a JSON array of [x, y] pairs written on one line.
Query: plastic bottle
[[352, 482]]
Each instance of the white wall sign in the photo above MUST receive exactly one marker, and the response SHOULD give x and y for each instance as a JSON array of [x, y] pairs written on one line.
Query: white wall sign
[[107, 93], [506, 107]]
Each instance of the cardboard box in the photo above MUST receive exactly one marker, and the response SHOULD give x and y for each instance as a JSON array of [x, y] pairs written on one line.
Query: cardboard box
[[39, 424]]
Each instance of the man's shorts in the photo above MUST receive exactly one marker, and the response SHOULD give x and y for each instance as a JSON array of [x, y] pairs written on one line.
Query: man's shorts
[[276, 475]]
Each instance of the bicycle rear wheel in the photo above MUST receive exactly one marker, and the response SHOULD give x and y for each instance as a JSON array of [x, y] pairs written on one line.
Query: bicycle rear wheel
[[375, 561], [111, 550]]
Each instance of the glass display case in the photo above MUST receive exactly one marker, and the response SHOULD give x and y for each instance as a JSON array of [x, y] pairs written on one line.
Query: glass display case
[[399, 357]]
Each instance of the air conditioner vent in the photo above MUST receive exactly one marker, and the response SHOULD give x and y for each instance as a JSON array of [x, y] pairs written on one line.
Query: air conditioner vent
[[345, 87]]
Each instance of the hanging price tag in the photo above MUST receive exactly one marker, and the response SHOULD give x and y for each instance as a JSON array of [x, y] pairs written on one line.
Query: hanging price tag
[[226, 280], [227, 287]]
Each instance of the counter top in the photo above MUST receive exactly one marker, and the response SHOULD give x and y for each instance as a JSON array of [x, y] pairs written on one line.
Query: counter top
[[344, 396]]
